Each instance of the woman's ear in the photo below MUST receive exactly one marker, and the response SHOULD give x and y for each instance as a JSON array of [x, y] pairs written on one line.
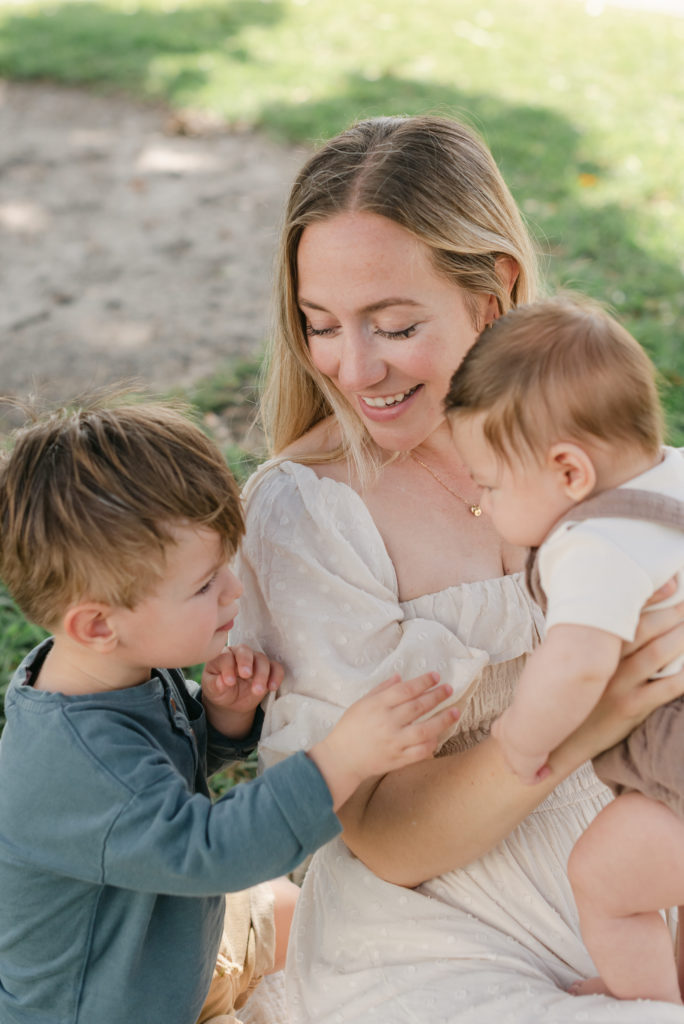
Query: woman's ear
[[507, 270], [574, 469], [90, 625]]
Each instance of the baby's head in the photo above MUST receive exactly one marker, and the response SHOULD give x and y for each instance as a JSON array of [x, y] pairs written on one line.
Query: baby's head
[[554, 401], [93, 500]]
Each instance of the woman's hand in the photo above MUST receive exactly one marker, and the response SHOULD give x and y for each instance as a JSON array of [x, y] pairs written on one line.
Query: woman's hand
[[632, 694]]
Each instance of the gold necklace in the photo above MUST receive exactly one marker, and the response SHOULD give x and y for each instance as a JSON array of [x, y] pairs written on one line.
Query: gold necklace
[[473, 508]]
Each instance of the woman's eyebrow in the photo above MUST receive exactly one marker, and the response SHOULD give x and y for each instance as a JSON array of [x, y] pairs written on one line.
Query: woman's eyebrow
[[373, 307]]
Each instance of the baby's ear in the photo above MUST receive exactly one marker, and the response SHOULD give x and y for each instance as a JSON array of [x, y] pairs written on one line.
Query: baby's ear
[[90, 624], [574, 469]]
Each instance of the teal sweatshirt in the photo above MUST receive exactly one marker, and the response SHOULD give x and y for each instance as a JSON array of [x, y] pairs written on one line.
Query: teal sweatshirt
[[113, 859]]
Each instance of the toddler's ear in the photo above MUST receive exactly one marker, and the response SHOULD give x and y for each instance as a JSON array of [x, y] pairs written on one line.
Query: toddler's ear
[[90, 624], [574, 469]]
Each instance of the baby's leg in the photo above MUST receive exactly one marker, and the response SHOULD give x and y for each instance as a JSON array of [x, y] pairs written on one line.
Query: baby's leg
[[625, 868]]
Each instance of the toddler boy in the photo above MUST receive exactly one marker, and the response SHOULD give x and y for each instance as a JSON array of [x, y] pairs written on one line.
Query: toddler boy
[[117, 527]]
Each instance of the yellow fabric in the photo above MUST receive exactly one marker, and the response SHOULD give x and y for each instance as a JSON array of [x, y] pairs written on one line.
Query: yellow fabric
[[246, 953]]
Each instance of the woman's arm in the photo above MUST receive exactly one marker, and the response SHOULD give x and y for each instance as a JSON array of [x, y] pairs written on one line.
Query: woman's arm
[[468, 802]]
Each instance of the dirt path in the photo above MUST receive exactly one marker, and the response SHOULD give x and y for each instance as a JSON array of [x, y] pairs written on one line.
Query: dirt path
[[128, 247]]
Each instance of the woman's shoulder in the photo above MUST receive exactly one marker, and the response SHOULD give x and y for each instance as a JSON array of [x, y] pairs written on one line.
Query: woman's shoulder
[[321, 440], [301, 467], [284, 484]]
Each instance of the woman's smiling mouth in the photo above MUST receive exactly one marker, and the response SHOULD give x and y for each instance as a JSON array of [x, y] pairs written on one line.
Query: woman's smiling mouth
[[387, 401]]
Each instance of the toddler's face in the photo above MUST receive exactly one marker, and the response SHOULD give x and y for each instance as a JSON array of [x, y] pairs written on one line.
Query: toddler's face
[[186, 619], [520, 495]]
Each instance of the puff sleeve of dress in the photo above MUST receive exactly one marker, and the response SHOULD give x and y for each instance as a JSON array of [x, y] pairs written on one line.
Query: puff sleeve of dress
[[321, 596]]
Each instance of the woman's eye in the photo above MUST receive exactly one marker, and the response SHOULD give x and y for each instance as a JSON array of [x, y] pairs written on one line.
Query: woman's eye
[[318, 332], [405, 333]]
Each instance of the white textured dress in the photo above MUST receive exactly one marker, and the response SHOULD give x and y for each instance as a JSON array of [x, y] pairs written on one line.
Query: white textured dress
[[495, 941]]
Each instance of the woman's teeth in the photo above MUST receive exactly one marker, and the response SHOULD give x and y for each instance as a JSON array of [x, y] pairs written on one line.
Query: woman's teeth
[[382, 403]]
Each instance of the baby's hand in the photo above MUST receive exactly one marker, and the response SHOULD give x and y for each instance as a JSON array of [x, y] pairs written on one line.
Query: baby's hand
[[233, 686], [381, 732], [530, 768]]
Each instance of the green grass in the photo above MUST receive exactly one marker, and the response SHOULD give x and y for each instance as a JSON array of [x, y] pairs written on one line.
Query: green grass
[[585, 116], [18, 637]]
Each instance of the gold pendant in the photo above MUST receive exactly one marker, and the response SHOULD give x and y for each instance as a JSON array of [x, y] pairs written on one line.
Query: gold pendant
[[476, 510]]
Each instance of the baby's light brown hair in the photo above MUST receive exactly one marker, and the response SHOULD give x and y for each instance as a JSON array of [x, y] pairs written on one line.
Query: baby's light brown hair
[[558, 369], [88, 497]]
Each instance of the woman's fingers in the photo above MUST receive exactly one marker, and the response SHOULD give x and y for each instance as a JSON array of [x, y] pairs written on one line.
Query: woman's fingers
[[651, 656], [667, 590], [653, 624]]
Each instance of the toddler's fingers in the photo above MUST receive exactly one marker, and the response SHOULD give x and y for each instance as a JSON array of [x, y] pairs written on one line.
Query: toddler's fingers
[[424, 737], [244, 661], [431, 730], [385, 684], [261, 670], [409, 689], [410, 710], [226, 669], [276, 675]]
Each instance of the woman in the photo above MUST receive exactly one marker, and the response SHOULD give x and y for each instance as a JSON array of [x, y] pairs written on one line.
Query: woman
[[366, 553]]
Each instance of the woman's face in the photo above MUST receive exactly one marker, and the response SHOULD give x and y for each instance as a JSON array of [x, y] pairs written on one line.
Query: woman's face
[[383, 326]]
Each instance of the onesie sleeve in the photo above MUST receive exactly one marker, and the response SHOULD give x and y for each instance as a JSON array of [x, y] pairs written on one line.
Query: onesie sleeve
[[321, 596], [590, 581]]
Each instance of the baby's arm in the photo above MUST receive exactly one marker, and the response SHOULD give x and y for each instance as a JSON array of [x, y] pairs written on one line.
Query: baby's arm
[[233, 686], [561, 683]]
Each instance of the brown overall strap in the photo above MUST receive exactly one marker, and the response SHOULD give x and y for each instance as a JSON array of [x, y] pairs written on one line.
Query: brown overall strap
[[619, 503]]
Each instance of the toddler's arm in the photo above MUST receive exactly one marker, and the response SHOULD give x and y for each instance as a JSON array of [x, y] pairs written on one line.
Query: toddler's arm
[[561, 683], [233, 686], [381, 732]]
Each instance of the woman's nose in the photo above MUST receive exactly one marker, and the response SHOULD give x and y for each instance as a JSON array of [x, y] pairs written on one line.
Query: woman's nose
[[360, 364]]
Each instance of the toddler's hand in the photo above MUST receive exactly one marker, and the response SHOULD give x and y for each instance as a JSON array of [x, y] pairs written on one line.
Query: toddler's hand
[[381, 732], [530, 768], [235, 683]]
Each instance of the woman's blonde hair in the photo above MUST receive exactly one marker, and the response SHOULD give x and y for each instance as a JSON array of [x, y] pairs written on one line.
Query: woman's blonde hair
[[435, 178]]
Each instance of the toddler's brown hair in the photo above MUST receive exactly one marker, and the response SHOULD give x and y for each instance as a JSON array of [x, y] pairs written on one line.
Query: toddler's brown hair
[[88, 496]]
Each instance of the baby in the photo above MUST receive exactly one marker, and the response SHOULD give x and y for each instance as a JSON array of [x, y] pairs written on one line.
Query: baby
[[117, 528], [555, 412]]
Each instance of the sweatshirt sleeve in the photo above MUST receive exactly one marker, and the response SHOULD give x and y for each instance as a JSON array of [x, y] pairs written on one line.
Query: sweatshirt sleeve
[[321, 596], [107, 806], [165, 840]]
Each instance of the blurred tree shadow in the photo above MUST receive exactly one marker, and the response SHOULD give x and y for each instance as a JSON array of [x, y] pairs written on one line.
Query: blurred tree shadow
[[88, 42]]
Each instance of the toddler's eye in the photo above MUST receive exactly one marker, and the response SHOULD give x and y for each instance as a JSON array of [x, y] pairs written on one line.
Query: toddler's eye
[[206, 586]]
